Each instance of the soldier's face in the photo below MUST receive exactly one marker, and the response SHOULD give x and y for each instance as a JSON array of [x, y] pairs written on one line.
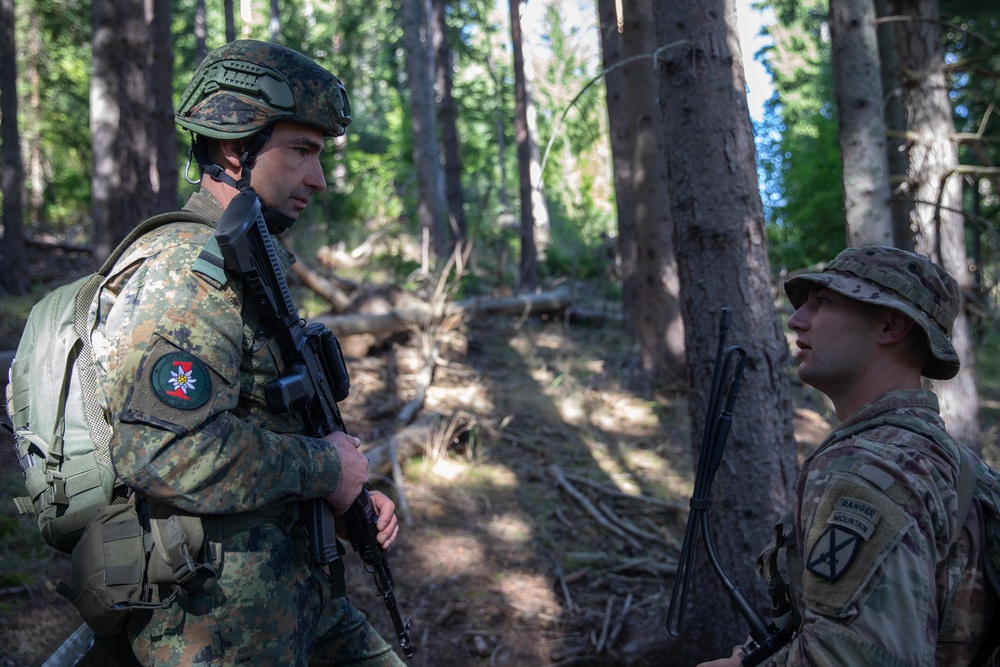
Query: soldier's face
[[288, 171], [837, 339]]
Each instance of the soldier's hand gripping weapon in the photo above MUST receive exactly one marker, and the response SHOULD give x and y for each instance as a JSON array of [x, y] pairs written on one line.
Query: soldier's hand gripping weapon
[[765, 638], [315, 380]]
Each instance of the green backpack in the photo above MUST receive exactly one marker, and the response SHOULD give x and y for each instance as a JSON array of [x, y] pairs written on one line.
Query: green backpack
[[61, 433], [124, 549]]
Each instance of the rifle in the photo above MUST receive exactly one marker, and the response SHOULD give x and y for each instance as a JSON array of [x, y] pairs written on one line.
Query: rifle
[[765, 638], [315, 380]]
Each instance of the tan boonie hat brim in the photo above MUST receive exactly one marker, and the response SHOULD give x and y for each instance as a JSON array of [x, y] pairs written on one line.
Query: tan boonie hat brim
[[904, 281]]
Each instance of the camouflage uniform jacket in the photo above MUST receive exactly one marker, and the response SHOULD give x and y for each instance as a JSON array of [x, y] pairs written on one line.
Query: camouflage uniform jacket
[[184, 365], [886, 573]]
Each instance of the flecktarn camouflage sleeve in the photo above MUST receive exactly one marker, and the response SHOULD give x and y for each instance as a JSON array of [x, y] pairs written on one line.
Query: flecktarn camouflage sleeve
[[174, 385]]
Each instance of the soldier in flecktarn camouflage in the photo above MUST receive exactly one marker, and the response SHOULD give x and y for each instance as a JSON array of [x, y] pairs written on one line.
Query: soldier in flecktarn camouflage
[[884, 567], [184, 361]]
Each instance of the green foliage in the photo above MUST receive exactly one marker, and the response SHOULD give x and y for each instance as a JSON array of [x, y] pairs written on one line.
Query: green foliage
[[371, 182], [798, 144], [53, 43]]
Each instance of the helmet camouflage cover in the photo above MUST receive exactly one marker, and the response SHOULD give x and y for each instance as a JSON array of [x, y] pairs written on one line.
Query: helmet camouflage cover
[[247, 85]]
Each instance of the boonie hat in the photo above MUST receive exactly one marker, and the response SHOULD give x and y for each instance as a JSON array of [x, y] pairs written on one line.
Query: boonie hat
[[905, 281]]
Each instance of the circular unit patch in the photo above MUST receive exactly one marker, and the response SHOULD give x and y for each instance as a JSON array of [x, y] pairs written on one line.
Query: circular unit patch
[[181, 380]]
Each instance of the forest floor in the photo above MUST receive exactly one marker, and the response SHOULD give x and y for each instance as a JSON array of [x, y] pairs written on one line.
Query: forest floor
[[530, 431]]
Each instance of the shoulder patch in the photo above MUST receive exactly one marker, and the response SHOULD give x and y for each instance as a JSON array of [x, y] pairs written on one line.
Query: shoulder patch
[[181, 380], [854, 530]]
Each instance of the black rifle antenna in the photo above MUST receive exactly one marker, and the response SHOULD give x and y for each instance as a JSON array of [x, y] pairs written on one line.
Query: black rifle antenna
[[726, 381]]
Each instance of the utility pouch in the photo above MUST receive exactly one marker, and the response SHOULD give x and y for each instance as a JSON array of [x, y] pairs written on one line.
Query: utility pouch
[[108, 577], [125, 556], [179, 548]]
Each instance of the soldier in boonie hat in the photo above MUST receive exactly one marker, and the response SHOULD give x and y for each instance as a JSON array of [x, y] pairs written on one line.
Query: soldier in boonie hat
[[882, 540], [906, 281]]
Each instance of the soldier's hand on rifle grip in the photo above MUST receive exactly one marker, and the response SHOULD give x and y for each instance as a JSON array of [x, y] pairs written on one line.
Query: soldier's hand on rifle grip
[[735, 660], [388, 526], [353, 471]]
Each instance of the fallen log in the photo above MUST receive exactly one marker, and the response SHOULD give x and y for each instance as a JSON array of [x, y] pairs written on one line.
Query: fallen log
[[421, 315]]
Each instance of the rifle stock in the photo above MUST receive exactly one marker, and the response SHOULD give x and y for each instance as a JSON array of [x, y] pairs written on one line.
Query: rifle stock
[[315, 380]]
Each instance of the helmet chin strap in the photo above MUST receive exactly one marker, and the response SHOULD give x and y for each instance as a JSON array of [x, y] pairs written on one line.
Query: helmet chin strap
[[277, 222]]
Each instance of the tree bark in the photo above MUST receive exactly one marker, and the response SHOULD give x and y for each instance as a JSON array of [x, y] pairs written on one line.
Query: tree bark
[[649, 268], [432, 209], [722, 261], [447, 114], [863, 154], [895, 125], [229, 11], [200, 32], [161, 112], [104, 115], [622, 139], [936, 194], [123, 182], [13, 277], [529, 263]]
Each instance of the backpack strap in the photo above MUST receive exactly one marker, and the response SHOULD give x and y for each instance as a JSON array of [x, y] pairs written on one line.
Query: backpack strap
[[100, 430], [967, 480]]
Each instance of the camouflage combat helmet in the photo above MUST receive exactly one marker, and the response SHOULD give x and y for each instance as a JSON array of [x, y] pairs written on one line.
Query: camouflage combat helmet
[[246, 86], [905, 281]]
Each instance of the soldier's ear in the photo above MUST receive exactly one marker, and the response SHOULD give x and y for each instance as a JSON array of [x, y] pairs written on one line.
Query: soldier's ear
[[229, 154], [895, 326]]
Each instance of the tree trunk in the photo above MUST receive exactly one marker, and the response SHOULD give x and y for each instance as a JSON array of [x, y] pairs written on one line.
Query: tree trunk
[[36, 177], [622, 138], [126, 165], [104, 115], [936, 193], [228, 10], [200, 32], [274, 22], [529, 264], [861, 127], [14, 276], [642, 192], [722, 261], [161, 112], [500, 122], [136, 199], [447, 115], [432, 209], [895, 124], [539, 207]]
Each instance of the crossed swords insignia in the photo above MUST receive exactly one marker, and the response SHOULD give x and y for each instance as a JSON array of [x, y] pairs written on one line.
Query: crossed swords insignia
[[833, 553]]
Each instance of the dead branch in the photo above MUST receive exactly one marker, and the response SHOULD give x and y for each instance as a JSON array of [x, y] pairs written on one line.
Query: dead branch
[[405, 443], [617, 493], [424, 379], [621, 621], [557, 473], [628, 526], [397, 477], [605, 627], [323, 287]]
